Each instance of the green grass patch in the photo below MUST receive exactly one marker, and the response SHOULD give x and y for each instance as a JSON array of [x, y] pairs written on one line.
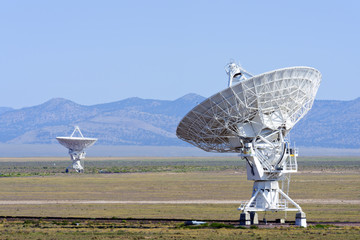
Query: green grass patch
[[138, 230], [321, 226]]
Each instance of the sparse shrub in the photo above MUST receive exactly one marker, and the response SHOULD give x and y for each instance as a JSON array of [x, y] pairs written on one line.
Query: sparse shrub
[[29, 222], [64, 222], [221, 225]]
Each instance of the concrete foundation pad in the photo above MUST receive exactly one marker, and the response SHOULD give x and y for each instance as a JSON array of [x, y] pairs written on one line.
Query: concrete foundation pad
[[254, 218], [245, 218], [300, 219], [280, 220]]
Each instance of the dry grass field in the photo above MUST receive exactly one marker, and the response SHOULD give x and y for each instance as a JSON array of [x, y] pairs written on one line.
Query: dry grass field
[[328, 189]]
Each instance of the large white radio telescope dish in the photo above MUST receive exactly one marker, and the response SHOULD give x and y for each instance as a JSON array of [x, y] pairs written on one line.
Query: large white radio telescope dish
[[256, 107], [252, 117], [76, 146]]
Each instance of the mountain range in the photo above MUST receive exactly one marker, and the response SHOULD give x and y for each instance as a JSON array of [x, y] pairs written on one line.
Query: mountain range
[[330, 124], [133, 121], [150, 122]]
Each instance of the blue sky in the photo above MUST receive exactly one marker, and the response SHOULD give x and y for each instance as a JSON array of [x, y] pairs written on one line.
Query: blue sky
[[102, 51]]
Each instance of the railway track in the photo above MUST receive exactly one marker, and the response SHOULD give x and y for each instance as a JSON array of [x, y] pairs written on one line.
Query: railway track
[[161, 220]]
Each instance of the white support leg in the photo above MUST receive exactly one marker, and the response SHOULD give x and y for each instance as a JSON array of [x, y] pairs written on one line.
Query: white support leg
[[252, 199], [290, 200]]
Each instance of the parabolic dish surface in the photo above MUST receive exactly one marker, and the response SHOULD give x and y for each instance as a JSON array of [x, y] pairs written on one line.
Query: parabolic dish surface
[[76, 143], [254, 107]]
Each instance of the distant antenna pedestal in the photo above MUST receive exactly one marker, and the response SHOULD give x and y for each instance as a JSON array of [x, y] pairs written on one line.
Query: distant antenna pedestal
[[77, 159]]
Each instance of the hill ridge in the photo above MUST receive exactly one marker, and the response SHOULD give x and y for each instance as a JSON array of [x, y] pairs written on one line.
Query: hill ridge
[[152, 122]]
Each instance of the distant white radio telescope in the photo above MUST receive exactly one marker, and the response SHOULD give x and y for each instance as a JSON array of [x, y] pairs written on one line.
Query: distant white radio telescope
[[76, 146], [252, 117]]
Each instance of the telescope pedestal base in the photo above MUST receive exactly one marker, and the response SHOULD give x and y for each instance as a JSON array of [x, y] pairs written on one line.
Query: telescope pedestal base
[[267, 196], [76, 165], [76, 158]]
